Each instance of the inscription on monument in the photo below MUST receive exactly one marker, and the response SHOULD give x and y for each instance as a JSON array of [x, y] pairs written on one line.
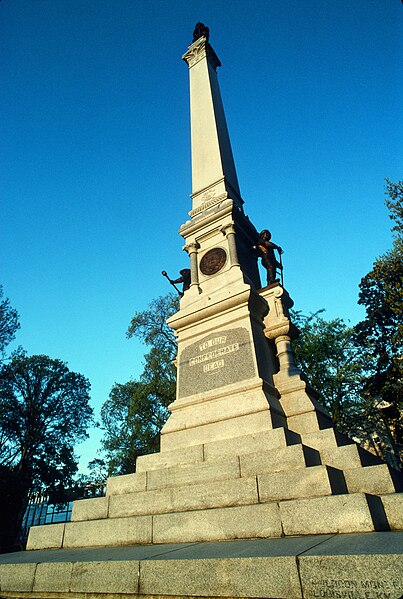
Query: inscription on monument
[[214, 361], [344, 588], [213, 261]]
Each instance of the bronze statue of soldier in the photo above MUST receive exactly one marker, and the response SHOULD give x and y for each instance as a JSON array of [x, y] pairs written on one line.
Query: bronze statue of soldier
[[185, 278], [265, 249]]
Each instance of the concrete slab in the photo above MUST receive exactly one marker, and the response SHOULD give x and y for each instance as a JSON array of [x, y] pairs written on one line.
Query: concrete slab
[[165, 459]]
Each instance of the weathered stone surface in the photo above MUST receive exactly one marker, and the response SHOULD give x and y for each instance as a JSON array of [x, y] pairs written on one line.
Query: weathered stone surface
[[393, 505], [17, 577], [125, 531], [327, 438], [90, 509], [165, 459], [311, 482], [260, 520], [308, 422], [352, 576], [179, 499], [127, 483], [216, 360], [265, 441], [348, 456], [105, 577], [247, 577], [226, 429], [294, 457], [324, 515], [373, 479], [47, 536], [53, 577], [222, 469]]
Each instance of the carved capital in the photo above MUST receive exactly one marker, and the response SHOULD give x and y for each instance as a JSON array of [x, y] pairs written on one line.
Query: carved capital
[[191, 248], [228, 229], [201, 49]]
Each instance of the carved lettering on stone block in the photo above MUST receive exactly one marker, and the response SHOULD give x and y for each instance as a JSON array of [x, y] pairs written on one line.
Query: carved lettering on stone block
[[217, 360]]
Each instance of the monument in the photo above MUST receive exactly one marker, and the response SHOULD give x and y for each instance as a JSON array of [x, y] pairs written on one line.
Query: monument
[[253, 493]]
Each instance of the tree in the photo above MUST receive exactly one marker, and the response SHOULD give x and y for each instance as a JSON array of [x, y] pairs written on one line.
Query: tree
[[381, 293], [9, 323], [44, 410], [336, 368], [135, 412]]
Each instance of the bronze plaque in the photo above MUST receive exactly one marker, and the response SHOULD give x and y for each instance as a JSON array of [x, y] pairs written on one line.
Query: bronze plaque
[[213, 261]]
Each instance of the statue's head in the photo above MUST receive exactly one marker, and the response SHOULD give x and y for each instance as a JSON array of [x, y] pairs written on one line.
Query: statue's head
[[265, 234]]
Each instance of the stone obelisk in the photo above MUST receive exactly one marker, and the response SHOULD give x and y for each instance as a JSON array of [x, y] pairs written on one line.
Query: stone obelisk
[[230, 345]]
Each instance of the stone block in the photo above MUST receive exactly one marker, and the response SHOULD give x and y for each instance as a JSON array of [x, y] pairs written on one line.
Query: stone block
[[165, 459], [238, 577], [348, 456], [308, 422], [264, 441], [17, 577], [96, 533], [245, 522], [393, 505], [90, 509], [317, 481], [180, 499], [294, 457], [325, 515], [352, 576], [226, 429], [127, 483], [47, 536], [373, 479], [53, 576], [326, 438], [105, 577], [175, 476]]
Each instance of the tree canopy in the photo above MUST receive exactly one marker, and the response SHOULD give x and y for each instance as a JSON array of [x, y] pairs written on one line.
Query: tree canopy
[[381, 294], [44, 411], [135, 411], [9, 323]]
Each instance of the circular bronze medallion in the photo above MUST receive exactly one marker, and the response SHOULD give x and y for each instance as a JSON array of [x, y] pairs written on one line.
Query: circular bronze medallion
[[213, 261]]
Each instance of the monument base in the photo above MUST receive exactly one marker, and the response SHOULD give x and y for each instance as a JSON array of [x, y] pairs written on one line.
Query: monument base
[[355, 566]]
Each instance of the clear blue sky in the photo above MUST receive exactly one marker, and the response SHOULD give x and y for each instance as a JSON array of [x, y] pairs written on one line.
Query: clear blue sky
[[95, 156]]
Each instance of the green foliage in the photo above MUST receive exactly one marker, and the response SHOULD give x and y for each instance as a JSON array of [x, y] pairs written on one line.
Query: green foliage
[[335, 367], [9, 323], [381, 332], [44, 410], [135, 412]]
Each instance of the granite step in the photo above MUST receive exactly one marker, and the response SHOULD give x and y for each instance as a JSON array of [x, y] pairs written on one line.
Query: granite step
[[318, 515], [293, 457], [265, 441], [377, 480]]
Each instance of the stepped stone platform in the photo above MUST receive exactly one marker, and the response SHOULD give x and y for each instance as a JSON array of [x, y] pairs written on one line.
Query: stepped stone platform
[[227, 490], [354, 566]]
